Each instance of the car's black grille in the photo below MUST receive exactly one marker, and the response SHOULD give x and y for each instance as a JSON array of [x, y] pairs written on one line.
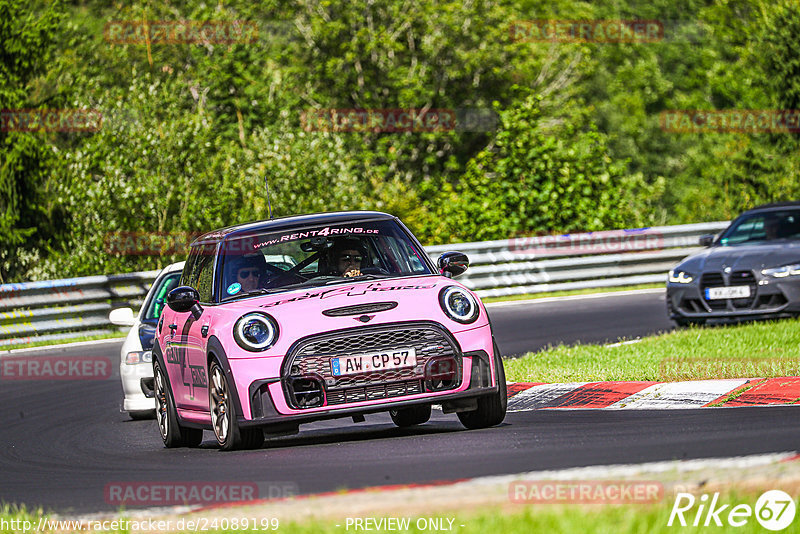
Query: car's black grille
[[713, 280], [379, 391], [312, 357], [742, 278], [716, 279]]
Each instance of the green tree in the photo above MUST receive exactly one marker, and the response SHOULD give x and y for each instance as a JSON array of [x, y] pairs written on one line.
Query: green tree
[[28, 221], [539, 176]]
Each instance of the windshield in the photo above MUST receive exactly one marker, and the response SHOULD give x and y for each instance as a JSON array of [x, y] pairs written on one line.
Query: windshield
[[763, 227], [316, 256]]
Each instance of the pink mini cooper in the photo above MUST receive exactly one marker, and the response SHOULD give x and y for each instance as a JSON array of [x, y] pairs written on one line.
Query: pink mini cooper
[[298, 319]]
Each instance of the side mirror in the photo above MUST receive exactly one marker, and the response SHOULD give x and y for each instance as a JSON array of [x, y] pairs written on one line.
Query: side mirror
[[122, 317], [183, 299], [452, 263], [706, 240]]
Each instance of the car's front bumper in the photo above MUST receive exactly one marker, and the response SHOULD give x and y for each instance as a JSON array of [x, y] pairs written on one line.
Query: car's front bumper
[[260, 396], [769, 297], [137, 386]]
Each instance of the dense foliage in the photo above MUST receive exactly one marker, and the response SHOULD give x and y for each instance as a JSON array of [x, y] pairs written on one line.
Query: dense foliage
[[190, 131]]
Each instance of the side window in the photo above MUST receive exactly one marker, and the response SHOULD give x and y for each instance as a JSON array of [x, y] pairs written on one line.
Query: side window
[[199, 270], [187, 276], [205, 272]]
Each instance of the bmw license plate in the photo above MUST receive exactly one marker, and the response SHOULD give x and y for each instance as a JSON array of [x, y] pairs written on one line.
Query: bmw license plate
[[732, 292], [373, 361]]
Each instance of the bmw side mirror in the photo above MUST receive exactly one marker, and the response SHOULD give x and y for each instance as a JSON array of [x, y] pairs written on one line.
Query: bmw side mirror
[[452, 263], [706, 240], [183, 299]]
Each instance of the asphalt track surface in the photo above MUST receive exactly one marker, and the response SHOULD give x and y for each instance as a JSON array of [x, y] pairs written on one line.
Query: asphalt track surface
[[63, 443], [521, 328]]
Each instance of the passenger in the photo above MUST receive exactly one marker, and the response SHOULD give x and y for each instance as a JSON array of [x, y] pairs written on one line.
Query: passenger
[[248, 271]]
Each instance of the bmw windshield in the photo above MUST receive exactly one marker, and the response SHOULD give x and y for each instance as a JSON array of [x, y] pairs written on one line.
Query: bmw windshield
[[765, 226], [316, 256]]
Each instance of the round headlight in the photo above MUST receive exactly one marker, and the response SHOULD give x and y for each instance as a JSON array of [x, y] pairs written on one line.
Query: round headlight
[[255, 332], [459, 304]]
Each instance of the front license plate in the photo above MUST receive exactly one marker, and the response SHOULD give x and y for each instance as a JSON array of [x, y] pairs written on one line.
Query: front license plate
[[733, 292], [373, 361]]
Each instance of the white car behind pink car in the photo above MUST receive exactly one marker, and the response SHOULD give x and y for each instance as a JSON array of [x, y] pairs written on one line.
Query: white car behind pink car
[[136, 362]]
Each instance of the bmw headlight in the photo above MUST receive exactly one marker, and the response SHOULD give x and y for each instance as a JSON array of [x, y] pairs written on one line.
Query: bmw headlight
[[782, 272], [255, 331], [459, 304], [680, 277]]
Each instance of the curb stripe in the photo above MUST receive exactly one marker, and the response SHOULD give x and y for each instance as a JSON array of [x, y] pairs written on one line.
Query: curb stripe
[[669, 395], [517, 387], [645, 395], [599, 394], [540, 396], [770, 391], [722, 400]]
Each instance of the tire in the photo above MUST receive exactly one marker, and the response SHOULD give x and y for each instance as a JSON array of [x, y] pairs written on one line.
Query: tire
[[223, 415], [172, 433], [491, 408], [415, 415], [141, 415]]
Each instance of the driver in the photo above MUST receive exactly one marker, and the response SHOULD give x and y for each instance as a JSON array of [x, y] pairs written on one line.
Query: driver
[[772, 226], [247, 271], [347, 257]]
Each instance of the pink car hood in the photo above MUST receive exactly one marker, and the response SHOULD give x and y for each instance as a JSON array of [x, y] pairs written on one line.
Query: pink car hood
[[299, 313]]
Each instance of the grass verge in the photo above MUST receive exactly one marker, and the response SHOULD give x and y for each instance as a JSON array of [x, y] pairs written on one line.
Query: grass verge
[[566, 519], [760, 349], [529, 296], [511, 518]]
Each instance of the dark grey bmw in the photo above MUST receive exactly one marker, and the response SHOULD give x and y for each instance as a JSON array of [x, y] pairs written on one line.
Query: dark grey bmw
[[751, 269]]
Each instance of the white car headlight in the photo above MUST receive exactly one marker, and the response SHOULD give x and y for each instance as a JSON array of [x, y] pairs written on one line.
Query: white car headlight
[[459, 304], [680, 277], [782, 272], [137, 357], [255, 331]]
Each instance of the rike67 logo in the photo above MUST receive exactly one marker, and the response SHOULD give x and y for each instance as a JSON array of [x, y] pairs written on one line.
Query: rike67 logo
[[774, 510]]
